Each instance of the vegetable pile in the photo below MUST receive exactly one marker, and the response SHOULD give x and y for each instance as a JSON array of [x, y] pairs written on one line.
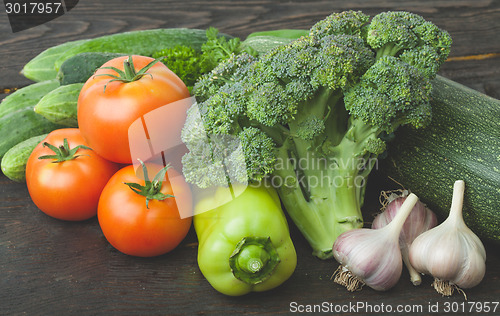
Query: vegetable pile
[[314, 114], [292, 118]]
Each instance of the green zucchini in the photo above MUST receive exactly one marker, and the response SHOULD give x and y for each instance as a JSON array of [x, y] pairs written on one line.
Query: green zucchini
[[144, 42], [42, 67], [27, 96], [462, 143], [14, 161], [60, 105], [82, 66]]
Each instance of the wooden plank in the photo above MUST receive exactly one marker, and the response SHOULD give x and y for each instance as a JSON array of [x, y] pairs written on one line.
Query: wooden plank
[[472, 24]]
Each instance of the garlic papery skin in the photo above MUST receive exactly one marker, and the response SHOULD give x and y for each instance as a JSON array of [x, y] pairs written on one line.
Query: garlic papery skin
[[372, 256], [450, 252], [419, 220]]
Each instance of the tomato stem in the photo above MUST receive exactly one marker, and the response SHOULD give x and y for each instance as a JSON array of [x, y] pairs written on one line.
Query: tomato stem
[[151, 189], [63, 152], [129, 73]]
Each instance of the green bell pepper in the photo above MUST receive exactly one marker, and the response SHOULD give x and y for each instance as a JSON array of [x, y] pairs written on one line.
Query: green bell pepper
[[244, 241]]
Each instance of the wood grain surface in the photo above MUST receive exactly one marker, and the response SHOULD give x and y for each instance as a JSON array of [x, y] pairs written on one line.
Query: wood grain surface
[[49, 267]]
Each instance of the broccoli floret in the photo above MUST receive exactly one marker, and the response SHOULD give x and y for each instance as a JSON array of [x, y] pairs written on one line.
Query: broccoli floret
[[311, 117], [231, 69], [258, 149], [341, 60], [346, 22], [310, 128], [410, 37], [387, 93]]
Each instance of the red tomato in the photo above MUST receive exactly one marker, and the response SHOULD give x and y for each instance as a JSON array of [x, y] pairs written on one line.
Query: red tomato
[[139, 230], [67, 190], [107, 108]]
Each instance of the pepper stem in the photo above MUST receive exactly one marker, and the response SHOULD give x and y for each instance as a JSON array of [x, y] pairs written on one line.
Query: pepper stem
[[254, 259]]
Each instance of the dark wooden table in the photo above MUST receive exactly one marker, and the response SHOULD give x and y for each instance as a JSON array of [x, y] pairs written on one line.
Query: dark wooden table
[[53, 267]]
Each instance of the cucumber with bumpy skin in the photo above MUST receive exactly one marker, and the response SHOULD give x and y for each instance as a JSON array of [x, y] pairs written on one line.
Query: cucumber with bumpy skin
[[42, 67], [81, 67], [14, 161], [60, 105], [21, 125], [461, 143], [26, 97], [18, 121]]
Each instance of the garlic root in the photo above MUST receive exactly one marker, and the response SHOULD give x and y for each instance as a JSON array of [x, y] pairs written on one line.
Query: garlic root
[[345, 278], [445, 288]]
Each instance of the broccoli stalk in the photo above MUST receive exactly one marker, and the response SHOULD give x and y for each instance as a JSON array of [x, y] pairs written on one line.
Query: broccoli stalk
[[309, 118], [324, 197]]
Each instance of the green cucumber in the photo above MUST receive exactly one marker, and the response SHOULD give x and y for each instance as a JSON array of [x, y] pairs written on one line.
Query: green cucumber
[[27, 96], [82, 66], [282, 33], [462, 143], [144, 42], [14, 161], [20, 125], [18, 120], [262, 44], [42, 67], [60, 105]]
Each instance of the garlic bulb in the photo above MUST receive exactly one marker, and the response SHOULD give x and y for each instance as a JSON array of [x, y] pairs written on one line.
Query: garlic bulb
[[372, 256], [450, 252], [421, 219]]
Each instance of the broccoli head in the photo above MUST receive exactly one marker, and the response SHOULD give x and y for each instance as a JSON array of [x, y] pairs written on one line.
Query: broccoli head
[[346, 22], [410, 37], [388, 94], [311, 117]]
